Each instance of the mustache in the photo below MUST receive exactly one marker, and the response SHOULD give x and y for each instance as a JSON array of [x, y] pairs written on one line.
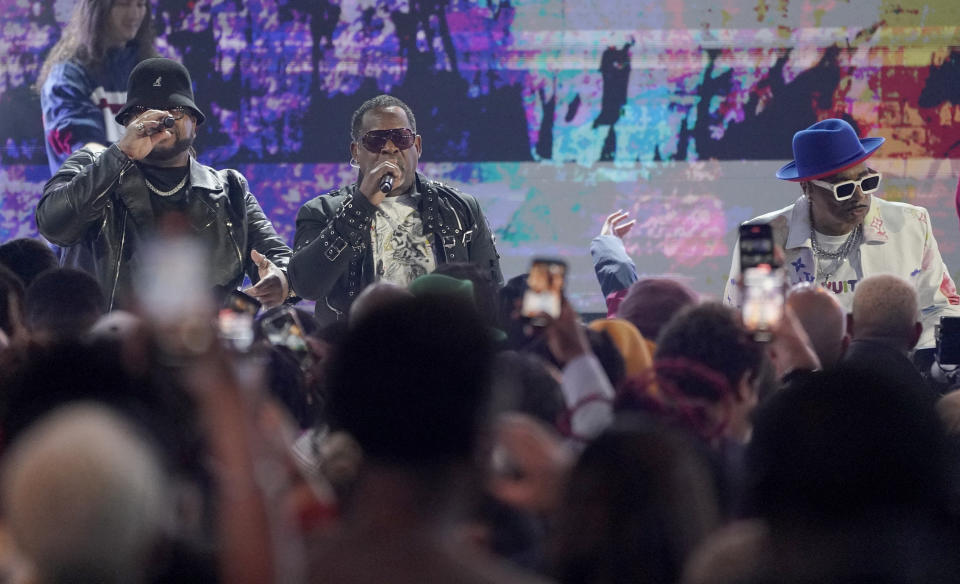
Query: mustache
[[163, 154]]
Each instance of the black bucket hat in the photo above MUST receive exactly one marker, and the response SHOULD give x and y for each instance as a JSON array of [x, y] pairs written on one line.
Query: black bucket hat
[[162, 84]]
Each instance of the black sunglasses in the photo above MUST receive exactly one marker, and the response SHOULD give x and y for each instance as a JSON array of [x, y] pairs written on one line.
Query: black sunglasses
[[375, 140]]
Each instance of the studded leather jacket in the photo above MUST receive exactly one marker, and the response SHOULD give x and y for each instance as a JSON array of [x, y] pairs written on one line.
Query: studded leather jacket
[[333, 262], [97, 207]]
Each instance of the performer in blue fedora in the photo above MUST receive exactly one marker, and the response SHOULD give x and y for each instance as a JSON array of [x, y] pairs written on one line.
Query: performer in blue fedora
[[838, 232]]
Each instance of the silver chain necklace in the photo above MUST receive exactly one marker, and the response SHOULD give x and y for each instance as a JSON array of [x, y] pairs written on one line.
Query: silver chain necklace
[[836, 257], [171, 191]]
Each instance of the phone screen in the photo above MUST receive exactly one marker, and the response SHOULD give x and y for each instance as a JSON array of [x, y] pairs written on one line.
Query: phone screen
[[762, 305], [235, 320], [756, 246], [242, 302], [283, 328], [544, 294]]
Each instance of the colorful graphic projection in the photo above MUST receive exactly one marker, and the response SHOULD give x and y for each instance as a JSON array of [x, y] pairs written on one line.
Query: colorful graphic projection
[[553, 113]]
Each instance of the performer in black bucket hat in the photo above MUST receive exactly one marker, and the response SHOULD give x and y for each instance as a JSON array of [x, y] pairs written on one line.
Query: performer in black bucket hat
[[159, 84], [103, 203]]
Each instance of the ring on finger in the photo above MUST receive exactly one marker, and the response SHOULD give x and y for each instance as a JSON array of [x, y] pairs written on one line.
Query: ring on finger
[[139, 127]]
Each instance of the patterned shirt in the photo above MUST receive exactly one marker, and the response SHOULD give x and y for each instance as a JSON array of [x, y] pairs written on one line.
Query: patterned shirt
[[401, 251]]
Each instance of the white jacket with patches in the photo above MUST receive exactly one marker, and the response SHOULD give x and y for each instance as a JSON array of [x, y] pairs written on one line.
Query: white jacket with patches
[[897, 239]]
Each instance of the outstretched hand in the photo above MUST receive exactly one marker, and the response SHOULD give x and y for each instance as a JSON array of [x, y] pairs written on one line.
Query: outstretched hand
[[617, 224], [272, 288]]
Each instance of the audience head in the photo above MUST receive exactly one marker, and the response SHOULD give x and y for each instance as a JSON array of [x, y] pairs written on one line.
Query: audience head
[[484, 288], [638, 501], [409, 382], [374, 297], [651, 303], [525, 383], [435, 284], [63, 303], [84, 497], [508, 311], [27, 258], [11, 304], [37, 379], [885, 308], [628, 341], [845, 444], [823, 319], [948, 408], [706, 356]]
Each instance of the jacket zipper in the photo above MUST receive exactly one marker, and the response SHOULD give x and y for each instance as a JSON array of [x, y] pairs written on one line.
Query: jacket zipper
[[339, 313], [116, 271], [457, 217], [123, 233], [236, 245], [117, 181]]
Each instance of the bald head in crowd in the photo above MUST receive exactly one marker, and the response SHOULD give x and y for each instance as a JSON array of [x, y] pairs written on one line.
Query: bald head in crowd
[[885, 309], [823, 319], [84, 497]]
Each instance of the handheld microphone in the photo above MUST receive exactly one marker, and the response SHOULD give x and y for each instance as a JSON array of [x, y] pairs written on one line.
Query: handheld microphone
[[162, 124], [386, 183]]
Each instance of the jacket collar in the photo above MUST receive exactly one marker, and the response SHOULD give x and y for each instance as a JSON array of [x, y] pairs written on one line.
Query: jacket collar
[[201, 177], [136, 197], [799, 232]]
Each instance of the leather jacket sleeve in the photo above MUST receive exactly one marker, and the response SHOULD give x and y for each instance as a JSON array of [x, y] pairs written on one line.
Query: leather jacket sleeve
[[483, 250], [75, 199], [261, 234], [331, 233]]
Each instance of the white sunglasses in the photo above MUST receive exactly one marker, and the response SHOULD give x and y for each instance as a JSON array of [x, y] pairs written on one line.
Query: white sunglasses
[[843, 190]]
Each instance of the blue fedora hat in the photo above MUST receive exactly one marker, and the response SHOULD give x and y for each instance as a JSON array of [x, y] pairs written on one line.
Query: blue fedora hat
[[825, 148]]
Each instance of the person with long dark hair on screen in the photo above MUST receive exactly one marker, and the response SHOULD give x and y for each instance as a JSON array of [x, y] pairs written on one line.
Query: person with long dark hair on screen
[[83, 82]]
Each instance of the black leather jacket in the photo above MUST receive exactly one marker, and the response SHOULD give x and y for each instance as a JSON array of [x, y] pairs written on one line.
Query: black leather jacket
[[98, 208], [332, 261]]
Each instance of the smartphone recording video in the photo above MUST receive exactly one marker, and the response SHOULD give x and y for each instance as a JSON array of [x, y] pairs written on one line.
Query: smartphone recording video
[[762, 307], [756, 246], [283, 328], [544, 294], [235, 320], [172, 288]]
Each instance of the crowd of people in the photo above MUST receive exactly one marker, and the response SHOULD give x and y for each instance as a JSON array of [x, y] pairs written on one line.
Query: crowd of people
[[435, 436], [157, 424]]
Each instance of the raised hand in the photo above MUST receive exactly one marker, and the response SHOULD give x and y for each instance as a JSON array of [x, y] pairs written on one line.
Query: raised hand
[[617, 224]]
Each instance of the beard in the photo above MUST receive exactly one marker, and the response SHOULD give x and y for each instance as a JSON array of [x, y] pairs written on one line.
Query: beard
[[167, 153]]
